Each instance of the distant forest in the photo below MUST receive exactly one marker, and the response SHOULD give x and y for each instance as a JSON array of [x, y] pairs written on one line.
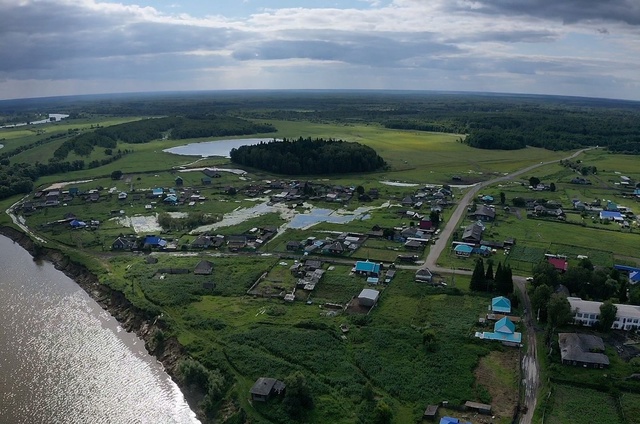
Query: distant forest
[[488, 121], [305, 156], [144, 131]]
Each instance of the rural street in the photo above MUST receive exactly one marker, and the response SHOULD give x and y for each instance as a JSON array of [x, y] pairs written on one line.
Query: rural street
[[530, 365]]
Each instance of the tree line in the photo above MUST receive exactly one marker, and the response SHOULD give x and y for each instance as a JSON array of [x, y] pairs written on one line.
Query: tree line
[[306, 156], [146, 130]]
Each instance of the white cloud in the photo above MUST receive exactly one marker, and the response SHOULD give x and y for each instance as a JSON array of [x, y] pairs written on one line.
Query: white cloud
[[75, 46]]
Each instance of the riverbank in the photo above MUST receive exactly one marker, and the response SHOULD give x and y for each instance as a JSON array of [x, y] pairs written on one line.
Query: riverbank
[[169, 352]]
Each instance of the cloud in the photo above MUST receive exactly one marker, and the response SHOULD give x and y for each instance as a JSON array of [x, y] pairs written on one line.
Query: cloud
[[568, 11], [501, 45]]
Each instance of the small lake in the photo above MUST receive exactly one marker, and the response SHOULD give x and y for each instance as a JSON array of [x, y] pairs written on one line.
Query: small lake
[[57, 118], [214, 148]]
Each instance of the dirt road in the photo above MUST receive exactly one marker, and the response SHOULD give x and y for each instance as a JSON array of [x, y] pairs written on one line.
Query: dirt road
[[530, 364]]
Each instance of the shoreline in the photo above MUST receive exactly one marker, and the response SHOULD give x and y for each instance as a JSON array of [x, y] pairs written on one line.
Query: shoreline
[[132, 319]]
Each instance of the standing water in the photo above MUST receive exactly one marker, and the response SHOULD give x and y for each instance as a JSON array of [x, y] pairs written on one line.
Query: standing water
[[65, 360]]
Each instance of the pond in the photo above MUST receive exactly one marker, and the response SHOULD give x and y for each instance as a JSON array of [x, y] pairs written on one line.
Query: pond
[[214, 148]]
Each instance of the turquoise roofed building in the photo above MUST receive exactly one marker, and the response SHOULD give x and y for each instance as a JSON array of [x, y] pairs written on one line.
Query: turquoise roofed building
[[158, 191], [370, 269], [500, 305], [463, 250], [504, 330]]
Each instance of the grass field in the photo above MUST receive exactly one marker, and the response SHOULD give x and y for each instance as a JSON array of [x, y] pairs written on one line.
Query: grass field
[[574, 405]]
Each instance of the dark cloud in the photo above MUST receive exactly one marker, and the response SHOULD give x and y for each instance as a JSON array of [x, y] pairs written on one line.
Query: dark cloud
[[35, 40], [515, 36], [568, 11], [353, 48]]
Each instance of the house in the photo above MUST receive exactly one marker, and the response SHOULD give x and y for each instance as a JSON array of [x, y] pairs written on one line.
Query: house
[[587, 313], [172, 198], [122, 196], [473, 233], [202, 242], [500, 305], [424, 275], [205, 180], [484, 213], [265, 387], [487, 199], [235, 243], [179, 181], [634, 273], [482, 408], [122, 243], [559, 264], [370, 269], [157, 192], [292, 246], [153, 241], [582, 350], [611, 206], [389, 275], [368, 297], [211, 173], [414, 244], [504, 330], [94, 197], [611, 216], [77, 224], [463, 250], [425, 224], [73, 191], [580, 180], [449, 420], [335, 248], [203, 268]]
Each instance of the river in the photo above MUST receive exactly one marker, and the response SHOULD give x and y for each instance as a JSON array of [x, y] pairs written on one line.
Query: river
[[63, 359]]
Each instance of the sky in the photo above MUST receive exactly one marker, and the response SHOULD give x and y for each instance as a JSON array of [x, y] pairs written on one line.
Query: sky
[[585, 48]]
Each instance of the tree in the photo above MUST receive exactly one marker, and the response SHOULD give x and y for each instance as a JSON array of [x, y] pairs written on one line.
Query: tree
[[503, 198], [552, 187], [360, 190], [434, 217], [477, 278], [116, 175], [622, 292], [534, 181], [297, 396], [519, 202], [382, 413], [558, 311], [608, 312], [489, 274], [540, 300], [429, 340]]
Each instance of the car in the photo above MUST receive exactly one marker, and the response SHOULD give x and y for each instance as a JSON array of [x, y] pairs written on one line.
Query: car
[[529, 279]]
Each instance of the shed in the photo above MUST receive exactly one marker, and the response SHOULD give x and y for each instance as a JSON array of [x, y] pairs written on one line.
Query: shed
[[265, 387], [431, 412], [450, 420], [583, 350], [203, 268], [368, 297], [424, 275], [482, 408]]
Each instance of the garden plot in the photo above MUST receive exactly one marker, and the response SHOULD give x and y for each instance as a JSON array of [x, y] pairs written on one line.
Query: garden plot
[[140, 224]]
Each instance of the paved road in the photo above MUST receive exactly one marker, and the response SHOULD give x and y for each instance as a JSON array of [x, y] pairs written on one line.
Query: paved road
[[530, 364]]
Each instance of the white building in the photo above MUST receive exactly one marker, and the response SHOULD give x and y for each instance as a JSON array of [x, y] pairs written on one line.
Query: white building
[[587, 312]]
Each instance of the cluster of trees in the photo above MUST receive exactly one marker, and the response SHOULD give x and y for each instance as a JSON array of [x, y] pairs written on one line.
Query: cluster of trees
[[405, 124], [18, 178], [501, 282], [579, 166], [147, 130], [210, 382], [191, 221], [305, 156], [587, 282]]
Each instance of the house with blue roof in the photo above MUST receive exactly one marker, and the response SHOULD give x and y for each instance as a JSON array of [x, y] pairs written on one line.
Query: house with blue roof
[[463, 250], [500, 305], [634, 273], [370, 269], [172, 198], [153, 241], [450, 420], [636, 192], [77, 224], [611, 216], [504, 330], [158, 191]]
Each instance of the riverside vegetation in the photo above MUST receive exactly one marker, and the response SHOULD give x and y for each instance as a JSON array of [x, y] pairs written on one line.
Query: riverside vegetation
[[416, 347]]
